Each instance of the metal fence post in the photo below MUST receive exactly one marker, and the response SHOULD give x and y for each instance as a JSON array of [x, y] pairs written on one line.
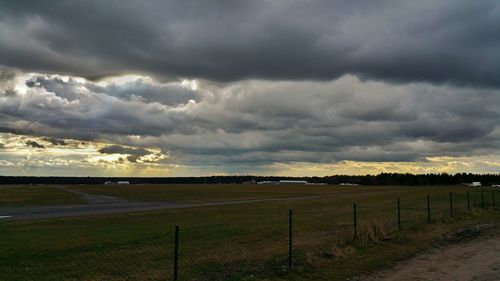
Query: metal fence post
[[176, 253], [451, 204], [354, 209], [428, 208], [290, 250], [482, 199], [468, 200], [399, 216]]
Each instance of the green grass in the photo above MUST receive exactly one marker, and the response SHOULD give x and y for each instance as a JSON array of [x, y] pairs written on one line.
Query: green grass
[[19, 196], [208, 192], [237, 242]]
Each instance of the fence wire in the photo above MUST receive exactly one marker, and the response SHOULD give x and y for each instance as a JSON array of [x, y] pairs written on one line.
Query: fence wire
[[249, 248], [145, 259]]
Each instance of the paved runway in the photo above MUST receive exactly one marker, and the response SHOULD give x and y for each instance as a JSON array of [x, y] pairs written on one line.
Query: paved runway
[[99, 205]]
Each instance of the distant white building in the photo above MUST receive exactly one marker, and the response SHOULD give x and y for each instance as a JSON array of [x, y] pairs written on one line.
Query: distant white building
[[249, 182], [117, 182], [292, 182], [474, 184], [349, 184], [268, 182]]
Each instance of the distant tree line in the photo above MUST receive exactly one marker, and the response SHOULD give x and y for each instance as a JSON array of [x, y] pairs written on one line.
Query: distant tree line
[[380, 179], [420, 179]]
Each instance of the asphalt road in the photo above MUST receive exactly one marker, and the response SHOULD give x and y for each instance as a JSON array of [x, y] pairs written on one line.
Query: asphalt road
[[100, 205]]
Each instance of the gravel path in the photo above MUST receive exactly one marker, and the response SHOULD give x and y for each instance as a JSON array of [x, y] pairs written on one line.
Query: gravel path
[[477, 260]]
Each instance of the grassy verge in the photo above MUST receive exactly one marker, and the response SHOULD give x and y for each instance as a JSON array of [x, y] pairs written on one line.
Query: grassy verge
[[20, 196], [239, 242], [346, 261]]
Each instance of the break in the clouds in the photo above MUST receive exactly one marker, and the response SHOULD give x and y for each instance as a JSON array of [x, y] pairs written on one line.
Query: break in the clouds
[[437, 41], [245, 126], [263, 87], [135, 155]]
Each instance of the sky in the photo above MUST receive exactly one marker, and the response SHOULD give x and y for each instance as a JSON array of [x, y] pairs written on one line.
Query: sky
[[293, 88]]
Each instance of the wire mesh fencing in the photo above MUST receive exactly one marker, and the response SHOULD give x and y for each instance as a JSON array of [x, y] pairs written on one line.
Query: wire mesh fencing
[[145, 259], [251, 247], [240, 251]]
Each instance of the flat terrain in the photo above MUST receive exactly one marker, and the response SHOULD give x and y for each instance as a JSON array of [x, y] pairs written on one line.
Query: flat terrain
[[36, 202], [240, 235], [36, 195], [102, 205], [33, 202], [204, 193]]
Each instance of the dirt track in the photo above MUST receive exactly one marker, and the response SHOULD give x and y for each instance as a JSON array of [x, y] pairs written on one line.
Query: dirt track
[[477, 260]]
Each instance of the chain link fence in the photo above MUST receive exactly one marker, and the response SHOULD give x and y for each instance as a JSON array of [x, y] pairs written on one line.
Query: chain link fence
[[250, 248]]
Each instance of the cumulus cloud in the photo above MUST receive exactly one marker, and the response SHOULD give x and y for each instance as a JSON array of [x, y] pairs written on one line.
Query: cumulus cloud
[[250, 85], [7, 82], [257, 122], [444, 41]]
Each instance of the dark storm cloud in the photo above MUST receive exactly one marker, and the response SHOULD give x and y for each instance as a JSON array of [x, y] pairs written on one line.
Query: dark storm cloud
[[118, 149], [444, 41], [258, 122], [34, 144], [55, 141]]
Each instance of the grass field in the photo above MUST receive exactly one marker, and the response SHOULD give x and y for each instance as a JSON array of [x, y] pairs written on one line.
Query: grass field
[[35, 195], [238, 242], [206, 192]]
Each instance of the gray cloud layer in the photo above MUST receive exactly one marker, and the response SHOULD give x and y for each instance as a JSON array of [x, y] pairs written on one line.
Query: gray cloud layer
[[258, 122], [443, 41]]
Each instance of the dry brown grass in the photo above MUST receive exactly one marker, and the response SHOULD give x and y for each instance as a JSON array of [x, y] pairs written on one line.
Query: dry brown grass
[[371, 232]]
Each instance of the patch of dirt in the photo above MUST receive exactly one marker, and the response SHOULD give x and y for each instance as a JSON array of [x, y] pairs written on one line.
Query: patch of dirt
[[471, 254]]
